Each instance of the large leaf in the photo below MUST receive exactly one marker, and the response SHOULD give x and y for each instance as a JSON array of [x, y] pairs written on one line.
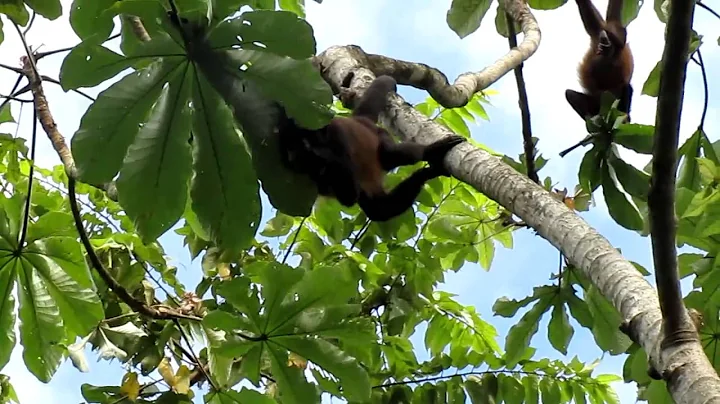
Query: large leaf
[[465, 16], [620, 206], [111, 123], [278, 32], [224, 191], [152, 185], [57, 300], [50, 9], [257, 116], [87, 19], [16, 10]]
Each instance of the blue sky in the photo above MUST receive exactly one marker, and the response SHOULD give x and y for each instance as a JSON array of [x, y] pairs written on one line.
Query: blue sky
[[417, 31]]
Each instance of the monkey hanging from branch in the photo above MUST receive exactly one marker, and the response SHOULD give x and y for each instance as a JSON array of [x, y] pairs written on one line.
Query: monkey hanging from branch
[[607, 65], [349, 158]]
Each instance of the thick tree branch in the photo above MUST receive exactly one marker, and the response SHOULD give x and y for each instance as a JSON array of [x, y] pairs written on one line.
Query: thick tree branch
[[661, 198], [422, 76]]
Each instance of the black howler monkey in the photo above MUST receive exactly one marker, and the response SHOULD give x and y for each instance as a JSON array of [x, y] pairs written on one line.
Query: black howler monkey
[[607, 65], [348, 158]]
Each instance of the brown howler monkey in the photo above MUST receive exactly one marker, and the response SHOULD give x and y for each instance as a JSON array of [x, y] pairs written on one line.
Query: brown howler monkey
[[607, 65], [348, 158]]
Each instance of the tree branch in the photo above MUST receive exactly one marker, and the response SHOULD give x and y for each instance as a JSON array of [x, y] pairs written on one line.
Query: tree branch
[[422, 76], [523, 103], [661, 198]]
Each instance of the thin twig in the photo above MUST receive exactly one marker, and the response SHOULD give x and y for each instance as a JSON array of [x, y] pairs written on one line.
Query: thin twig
[[524, 105], [708, 9], [194, 357], [292, 243], [705, 88]]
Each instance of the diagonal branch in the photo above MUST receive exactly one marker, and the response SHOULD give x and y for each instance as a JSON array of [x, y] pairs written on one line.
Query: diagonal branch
[[422, 76]]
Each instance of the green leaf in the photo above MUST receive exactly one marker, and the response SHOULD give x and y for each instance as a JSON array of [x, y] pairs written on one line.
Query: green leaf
[[591, 167], [606, 322], [16, 11], [532, 394], [232, 396], [508, 307], [651, 86], [257, 116], [294, 387], [296, 6], [278, 32], [560, 331], [519, 335], [465, 16], [547, 4], [88, 20], [296, 84], [549, 390], [88, 65], [635, 137], [59, 262], [57, 299], [621, 208], [689, 172], [278, 226], [152, 185], [104, 128], [224, 191], [7, 306], [634, 181], [353, 377], [50, 9], [512, 390], [41, 326], [5, 111]]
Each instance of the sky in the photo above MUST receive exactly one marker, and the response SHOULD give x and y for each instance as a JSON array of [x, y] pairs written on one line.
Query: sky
[[417, 31]]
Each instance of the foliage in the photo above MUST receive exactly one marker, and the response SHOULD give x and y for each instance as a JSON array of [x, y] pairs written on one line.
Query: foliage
[[187, 134]]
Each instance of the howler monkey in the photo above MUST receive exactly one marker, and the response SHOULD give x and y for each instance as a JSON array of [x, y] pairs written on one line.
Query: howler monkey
[[348, 158], [607, 65]]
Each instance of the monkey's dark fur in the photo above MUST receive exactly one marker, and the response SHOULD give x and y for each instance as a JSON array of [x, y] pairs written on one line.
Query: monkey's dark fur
[[348, 159], [607, 65]]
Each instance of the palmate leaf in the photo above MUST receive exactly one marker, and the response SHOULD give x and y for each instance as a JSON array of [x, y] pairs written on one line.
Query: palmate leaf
[[300, 310], [140, 126], [57, 299]]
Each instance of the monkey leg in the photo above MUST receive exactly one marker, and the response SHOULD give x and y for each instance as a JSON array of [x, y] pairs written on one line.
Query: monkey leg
[[385, 206], [393, 154], [626, 100], [585, 105]]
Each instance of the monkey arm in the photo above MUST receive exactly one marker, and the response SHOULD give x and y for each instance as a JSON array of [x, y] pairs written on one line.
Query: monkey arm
[[614, 11], [393, 154], [385, 206], [374, 100], [591, 18]]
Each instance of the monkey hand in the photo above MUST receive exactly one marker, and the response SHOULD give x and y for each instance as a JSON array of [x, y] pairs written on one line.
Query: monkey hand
[[435, 153]]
